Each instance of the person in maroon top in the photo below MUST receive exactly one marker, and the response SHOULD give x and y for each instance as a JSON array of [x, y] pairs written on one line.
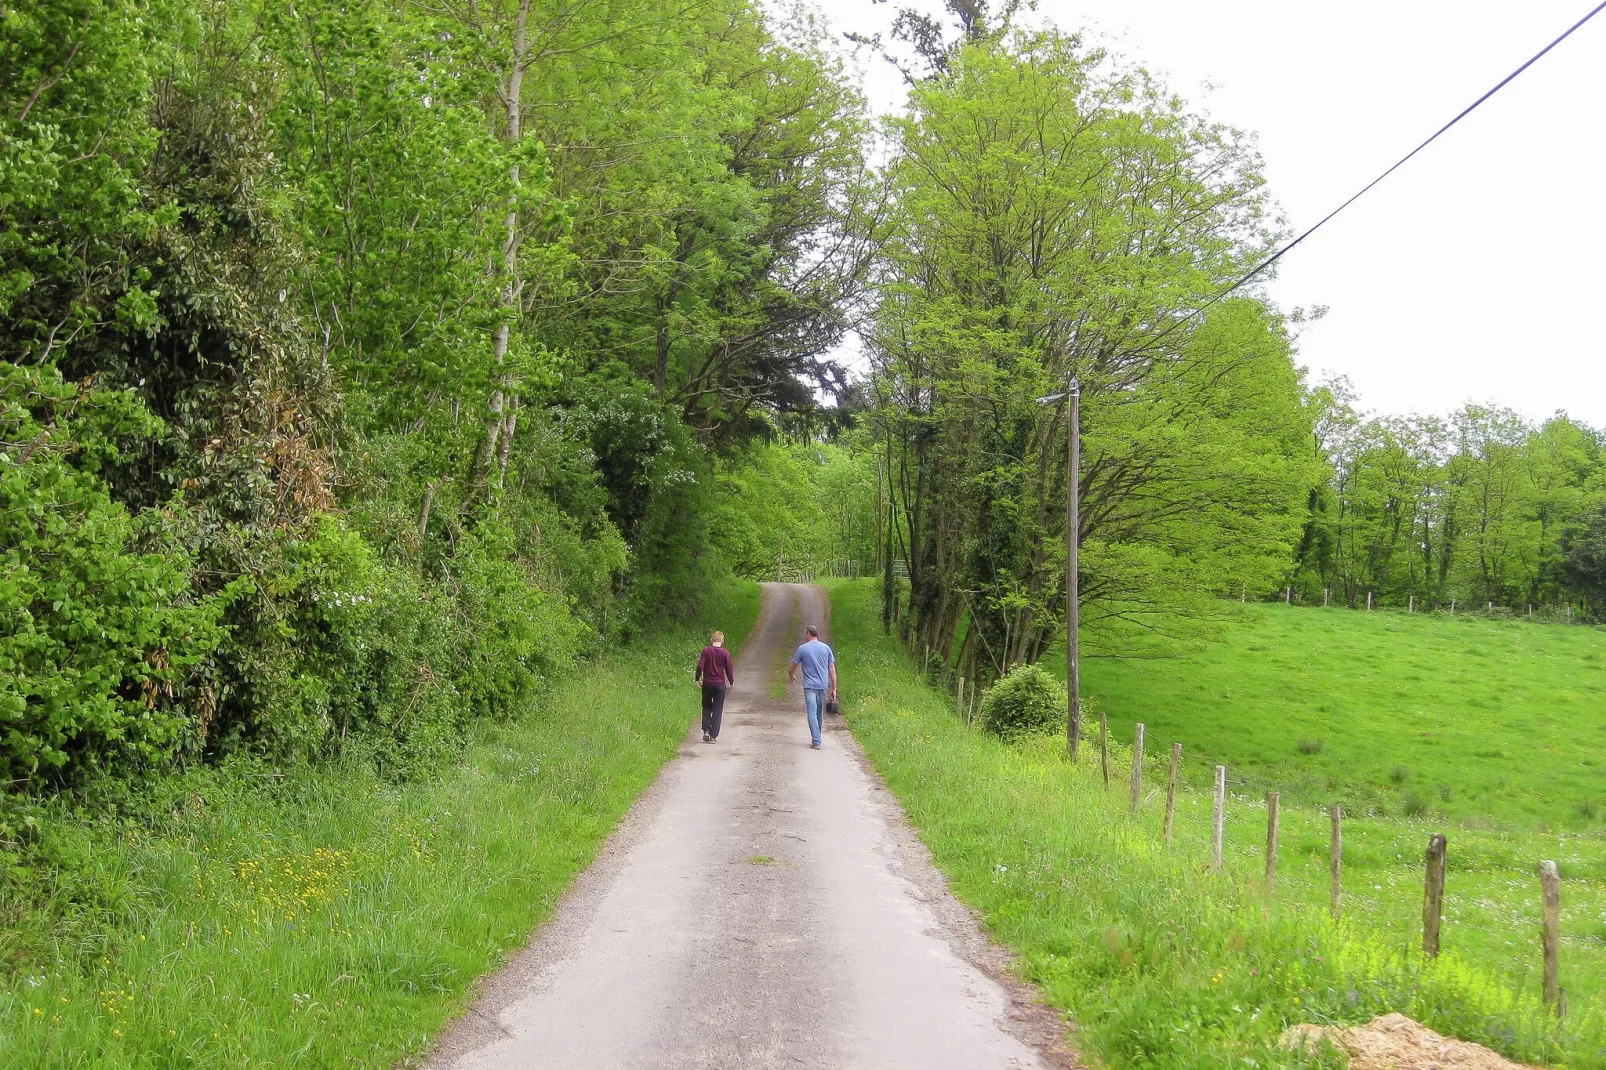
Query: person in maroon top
[[716, 672]]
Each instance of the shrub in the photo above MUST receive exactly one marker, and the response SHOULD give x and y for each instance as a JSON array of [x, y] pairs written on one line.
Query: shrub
[[1025, 701], [98, 640], [339, 651], [1310, 746], [515, 636]]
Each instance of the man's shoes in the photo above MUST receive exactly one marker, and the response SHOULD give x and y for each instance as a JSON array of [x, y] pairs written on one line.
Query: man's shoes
[[707, 738], [814, 746], [713, 739]]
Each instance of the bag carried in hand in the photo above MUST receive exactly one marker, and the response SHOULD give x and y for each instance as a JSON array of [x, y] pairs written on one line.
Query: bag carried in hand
[[833, 707]]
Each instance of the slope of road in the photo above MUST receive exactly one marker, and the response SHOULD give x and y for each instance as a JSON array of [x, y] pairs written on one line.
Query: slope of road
[[763, 905]]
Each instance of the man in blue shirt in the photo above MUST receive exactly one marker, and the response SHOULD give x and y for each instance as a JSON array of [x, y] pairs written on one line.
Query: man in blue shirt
[[819, 679]]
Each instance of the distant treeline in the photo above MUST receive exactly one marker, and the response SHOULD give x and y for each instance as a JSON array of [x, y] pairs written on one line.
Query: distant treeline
[[1483, 506]]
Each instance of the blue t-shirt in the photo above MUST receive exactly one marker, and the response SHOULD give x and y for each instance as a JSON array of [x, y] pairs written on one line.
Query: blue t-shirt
[[816, 659]]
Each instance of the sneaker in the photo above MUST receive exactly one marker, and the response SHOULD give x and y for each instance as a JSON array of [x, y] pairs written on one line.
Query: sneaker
[[707, 738], [814, 746], [713, 739]]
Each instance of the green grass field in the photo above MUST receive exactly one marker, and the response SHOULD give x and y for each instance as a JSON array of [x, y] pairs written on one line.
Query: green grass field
[[1163, 963], [1483, 723], [330, 919]]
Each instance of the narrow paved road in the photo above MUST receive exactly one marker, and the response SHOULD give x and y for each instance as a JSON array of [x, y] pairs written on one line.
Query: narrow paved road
[[763, 905]]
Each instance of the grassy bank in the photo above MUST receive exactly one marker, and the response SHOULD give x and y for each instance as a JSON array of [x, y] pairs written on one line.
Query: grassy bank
[[328, 918], [1484, 722], [1163, 963]]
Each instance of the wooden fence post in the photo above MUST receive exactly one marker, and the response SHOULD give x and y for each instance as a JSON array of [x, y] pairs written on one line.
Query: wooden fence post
[[959, 710], [1550, 882], [1273, 804], [1433, 896], [1171, 789], [1218, 823], [1410, 605], [1452, 607], [1137, 767], [1327, 595], [1104, 748], [1288, 596], [1335, 903], [1368, 601]]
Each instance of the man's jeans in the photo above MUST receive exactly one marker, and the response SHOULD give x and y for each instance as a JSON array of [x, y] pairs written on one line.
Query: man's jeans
[[814, 702]]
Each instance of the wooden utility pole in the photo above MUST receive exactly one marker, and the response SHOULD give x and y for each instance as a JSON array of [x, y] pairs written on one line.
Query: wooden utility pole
[[1073, 539], [1433, 896]]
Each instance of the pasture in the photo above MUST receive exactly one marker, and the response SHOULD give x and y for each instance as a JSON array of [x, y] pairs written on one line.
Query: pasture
[[1484, 723]]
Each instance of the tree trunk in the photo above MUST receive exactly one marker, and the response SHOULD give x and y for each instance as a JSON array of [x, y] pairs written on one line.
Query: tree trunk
[[501, 418]]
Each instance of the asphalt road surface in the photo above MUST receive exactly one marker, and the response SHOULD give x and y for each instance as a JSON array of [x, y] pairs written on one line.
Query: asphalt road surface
[[763, 905]]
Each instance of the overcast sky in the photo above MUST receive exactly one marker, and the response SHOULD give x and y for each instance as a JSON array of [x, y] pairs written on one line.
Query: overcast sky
[[1474, 272]]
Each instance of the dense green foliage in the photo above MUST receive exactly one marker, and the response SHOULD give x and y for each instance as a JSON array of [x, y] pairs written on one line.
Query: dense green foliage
[[96, 634], [1023, 701], [1163, 964], [365, 363], [790, 508], [332, 917]]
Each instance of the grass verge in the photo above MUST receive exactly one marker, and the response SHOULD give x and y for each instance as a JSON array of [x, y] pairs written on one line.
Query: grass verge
[[329, 918], [1160, 961]]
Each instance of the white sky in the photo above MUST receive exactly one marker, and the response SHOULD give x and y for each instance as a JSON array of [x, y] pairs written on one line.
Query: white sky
[[1475, 272]]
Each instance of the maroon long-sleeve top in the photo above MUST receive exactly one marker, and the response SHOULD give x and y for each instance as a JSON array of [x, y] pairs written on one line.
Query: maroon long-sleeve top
[[715, 667]]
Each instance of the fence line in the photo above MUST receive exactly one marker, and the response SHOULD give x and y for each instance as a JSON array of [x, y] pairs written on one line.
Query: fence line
[[1434, 859]]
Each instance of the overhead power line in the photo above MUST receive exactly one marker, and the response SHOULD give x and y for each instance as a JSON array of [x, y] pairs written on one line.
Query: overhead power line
[[1468, 110]]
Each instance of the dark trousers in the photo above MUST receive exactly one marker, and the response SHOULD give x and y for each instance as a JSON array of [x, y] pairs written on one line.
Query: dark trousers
[[713, 708]]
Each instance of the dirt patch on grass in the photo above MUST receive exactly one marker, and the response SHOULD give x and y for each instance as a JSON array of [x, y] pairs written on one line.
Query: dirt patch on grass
[[1395, 1042]]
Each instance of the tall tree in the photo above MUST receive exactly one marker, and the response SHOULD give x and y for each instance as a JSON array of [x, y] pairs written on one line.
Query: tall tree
[[1058, 216]]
